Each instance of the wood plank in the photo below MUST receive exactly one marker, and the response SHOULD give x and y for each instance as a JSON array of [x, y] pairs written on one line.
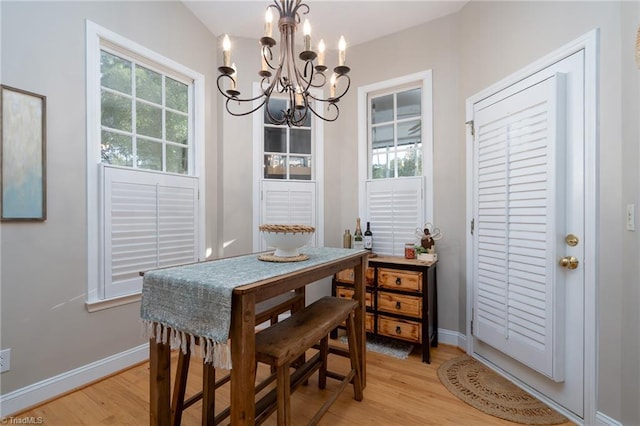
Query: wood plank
[[399, 392]]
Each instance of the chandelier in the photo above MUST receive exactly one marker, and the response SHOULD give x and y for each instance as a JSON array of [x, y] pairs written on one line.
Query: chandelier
[[288, 78]]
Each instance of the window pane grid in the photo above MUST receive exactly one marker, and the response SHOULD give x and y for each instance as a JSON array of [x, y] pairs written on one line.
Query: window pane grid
[[287, 152], [160, 135], [395, 130]]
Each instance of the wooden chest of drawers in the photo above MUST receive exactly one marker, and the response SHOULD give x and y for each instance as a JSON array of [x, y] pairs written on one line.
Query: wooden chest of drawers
[[401, 299]]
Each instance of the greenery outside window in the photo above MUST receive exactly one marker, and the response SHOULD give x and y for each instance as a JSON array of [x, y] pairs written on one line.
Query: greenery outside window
[[145, 116], [395, 123]]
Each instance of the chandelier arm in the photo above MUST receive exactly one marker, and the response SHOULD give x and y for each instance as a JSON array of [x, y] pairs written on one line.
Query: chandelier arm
[[234, 97], [240, 114], [330, 106]]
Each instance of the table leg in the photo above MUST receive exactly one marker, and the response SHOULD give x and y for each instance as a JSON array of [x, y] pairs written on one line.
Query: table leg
[[160, 383], [359, 293], [243, 358]]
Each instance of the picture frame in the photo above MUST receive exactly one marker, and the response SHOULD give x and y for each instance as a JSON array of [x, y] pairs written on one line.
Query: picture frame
[[23, 194]]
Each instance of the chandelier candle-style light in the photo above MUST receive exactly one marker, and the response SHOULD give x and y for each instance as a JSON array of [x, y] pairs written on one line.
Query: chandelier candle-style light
[[288, 78]]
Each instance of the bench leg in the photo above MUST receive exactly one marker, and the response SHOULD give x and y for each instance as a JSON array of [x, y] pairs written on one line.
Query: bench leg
[[284, 395], [322, 372], [182, 371], [208, 394], [354, 356]]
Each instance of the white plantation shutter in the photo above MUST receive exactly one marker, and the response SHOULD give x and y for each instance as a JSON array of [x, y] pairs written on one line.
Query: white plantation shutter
[[396, 208], [289, 203], [518, 297], [150, 221]]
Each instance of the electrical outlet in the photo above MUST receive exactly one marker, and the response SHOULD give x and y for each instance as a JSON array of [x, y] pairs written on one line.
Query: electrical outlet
[[5, 360]]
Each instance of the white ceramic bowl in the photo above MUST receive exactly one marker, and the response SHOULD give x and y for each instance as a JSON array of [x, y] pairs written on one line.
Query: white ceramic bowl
[[287, 239]]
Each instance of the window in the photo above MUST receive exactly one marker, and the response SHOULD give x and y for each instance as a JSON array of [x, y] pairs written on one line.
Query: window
[[144, 162], [145, 115], [287, 151], [395, 123], [287, 173], [395, 160]]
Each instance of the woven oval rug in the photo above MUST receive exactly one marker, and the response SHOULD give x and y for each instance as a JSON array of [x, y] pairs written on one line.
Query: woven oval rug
[[491, 393]]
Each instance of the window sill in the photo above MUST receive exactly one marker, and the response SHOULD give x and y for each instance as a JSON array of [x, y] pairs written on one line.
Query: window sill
[[100, 305]]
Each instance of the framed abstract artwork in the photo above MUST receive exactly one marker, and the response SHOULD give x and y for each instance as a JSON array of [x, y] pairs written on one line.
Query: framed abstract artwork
[[23, 195]]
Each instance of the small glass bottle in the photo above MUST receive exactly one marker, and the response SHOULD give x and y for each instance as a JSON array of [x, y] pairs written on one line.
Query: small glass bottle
[[346, 239]]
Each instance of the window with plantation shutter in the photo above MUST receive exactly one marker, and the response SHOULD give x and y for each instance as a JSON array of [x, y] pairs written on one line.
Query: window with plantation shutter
[[396, 210], [395, 160], [145, 159], [150, 221]]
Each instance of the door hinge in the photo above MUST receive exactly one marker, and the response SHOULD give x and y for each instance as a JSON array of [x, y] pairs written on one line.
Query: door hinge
[[472, 327], [473, 225], [471, 126]]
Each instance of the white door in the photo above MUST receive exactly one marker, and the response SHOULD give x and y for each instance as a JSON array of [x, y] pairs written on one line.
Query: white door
[[528, 196]]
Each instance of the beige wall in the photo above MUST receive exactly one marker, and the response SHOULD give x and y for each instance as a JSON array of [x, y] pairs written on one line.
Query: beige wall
[[482, 44], [500, 39], [467, 52], [43, 267]]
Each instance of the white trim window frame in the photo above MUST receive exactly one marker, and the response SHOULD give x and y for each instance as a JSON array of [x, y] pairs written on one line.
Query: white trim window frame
[[424, 205], [99, 39], [317, 174]]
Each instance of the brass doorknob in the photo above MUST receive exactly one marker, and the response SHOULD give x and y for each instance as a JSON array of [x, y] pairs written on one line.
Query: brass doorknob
[[569, 262]]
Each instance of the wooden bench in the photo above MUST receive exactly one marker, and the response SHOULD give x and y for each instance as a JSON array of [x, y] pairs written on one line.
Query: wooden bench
[[286, 341], [265, 311]]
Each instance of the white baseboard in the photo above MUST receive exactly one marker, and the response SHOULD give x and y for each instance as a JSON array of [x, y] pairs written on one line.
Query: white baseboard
[[21, 399], [604, 420], [452, 338]]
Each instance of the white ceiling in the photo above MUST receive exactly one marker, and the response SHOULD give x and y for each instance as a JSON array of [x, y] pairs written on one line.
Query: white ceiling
[[359, 21]]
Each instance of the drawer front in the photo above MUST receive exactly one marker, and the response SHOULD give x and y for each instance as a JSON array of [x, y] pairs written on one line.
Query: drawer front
[[400, 329], [400, 304], [347, 276], [368, 322], [347, 293], [403, 280]]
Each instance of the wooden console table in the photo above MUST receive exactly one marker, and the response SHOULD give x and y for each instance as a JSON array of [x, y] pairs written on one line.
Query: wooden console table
[[401, 299], [242, 331]]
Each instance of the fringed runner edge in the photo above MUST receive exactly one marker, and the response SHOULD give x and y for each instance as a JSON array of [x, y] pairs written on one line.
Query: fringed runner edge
[[217, 354]]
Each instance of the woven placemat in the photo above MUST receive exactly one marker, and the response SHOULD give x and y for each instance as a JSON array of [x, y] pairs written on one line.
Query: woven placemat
[[269, 257], [491, 393]]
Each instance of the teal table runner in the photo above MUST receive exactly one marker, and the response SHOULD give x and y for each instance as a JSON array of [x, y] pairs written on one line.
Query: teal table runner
[[184, 302]]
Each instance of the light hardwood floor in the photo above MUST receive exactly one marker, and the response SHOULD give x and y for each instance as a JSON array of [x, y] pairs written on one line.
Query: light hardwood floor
[[398, 392]]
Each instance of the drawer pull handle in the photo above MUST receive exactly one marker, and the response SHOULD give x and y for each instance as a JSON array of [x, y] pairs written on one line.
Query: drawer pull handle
[[398, 281], [398, 330], [397, 305]]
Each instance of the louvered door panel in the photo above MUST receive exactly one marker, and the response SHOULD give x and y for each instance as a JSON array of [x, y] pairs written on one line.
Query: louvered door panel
[[517, 294], [395, 208]]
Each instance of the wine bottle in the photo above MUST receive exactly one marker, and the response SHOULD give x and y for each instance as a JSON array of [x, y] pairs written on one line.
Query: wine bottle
[[357, 236], [368, 238]]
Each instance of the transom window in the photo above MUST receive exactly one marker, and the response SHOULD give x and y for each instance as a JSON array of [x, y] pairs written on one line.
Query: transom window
[[395, 124], [145, 116], [287, 151]]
